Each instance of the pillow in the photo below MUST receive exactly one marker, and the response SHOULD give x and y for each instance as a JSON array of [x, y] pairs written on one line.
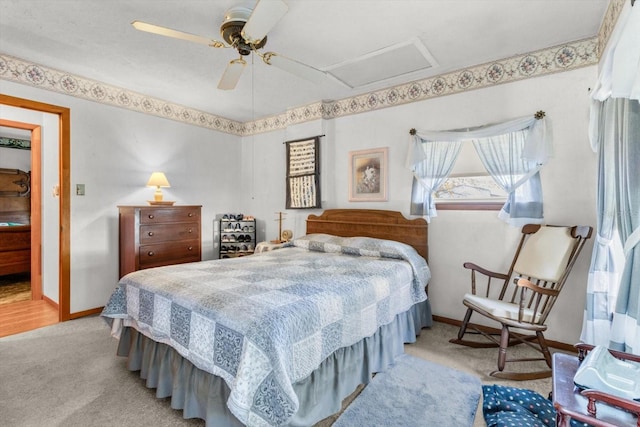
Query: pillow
[[368, 247], [361, 246]]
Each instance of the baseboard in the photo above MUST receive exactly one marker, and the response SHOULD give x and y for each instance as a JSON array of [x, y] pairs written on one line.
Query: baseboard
[[85, 313], [51, 302], [555, 344]]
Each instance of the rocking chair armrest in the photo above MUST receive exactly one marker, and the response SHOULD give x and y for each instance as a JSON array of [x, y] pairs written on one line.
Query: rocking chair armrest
[[484, 271], [524, 283], [601, 396]]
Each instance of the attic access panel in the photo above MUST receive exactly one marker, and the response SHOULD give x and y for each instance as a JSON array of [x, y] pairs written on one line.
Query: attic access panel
[[384, 64]]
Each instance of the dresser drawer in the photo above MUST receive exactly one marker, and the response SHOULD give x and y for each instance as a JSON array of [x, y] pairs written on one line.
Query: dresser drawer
[[169, 232], [15, 261], [12, 239], [169, 253], [154, 215]]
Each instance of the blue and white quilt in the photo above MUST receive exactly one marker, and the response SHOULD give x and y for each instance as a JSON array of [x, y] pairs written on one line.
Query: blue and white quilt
[[266, 321]]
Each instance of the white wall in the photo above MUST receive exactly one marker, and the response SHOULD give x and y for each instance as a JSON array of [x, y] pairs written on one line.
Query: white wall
[[113, 152], [569, 183], [264, 177], [12, 158]]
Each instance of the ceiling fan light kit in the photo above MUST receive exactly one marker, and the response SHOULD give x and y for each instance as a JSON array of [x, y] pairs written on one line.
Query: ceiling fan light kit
[[235, 19], [245, 29]]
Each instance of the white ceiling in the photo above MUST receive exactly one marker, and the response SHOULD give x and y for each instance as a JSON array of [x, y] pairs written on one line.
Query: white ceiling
[[94, 39]]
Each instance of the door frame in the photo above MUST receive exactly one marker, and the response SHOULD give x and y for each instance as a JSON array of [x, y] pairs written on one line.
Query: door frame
[[64, 169], [35, 185]]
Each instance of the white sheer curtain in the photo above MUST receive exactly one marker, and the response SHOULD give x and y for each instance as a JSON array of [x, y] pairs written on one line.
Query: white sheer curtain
[[512, 152], [619, 77], [625, 328], [431, 165], [607, 259], [503, 156], [612, 311]]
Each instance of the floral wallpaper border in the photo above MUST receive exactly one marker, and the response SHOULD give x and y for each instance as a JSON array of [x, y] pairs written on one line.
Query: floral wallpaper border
[[40, 76], [547, 61], [608, 23], [555, 59], [22, 144]]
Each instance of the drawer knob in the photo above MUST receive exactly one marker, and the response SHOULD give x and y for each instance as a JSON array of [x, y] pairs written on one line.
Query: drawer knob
[[190, 230], [190, 248], [150, 233], [190, 214], [150, 216], [150, 253]]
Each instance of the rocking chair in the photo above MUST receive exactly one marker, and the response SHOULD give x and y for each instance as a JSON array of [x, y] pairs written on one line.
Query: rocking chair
[[524, 296]]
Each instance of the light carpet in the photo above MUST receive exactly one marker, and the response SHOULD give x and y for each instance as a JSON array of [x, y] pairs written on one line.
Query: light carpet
[[415, 392], [69, 375]]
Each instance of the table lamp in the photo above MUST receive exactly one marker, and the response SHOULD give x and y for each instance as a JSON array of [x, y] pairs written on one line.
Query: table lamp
[[158, 180]]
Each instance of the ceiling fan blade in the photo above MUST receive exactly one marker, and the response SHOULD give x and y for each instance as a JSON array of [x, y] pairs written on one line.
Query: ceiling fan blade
[[232, 74], [294, 67], [264, 17], [168, 32]]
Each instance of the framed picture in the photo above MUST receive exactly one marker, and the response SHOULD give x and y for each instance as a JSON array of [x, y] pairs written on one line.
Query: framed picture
[[368, 175], [303, 174]]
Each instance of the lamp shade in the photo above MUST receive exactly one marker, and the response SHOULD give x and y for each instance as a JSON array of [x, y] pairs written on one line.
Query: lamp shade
[[158, 180]]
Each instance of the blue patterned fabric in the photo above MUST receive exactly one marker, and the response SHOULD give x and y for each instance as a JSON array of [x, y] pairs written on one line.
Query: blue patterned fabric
[[504, 406], [267, 321]]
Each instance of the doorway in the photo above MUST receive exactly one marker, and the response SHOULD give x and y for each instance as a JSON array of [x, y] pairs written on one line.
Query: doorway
[[30, 213], [64, 192]]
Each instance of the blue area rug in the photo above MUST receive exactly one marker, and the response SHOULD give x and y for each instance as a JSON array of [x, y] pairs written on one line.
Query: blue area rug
[[415, 392], [514, 407]]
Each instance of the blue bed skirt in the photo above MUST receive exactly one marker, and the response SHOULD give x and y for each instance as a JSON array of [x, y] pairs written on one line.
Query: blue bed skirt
[[200, 394]]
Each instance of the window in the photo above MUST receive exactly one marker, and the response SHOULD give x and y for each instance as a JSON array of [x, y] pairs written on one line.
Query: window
[[512, 153], [469, 187]]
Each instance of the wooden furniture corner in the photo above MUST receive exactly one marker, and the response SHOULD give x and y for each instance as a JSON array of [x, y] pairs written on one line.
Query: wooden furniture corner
[[594, 407]]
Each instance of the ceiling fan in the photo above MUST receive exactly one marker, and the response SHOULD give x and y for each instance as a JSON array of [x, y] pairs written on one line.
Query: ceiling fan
[[245, 30]]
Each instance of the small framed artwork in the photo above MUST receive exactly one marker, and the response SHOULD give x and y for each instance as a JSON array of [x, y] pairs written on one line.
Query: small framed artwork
[[368, 175]]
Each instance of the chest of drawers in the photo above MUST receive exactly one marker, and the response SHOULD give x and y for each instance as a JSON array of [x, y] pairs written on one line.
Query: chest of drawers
[[153, 236]]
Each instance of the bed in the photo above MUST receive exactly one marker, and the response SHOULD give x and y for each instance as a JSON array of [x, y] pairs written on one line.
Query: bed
[[15, 220], [281, 337]]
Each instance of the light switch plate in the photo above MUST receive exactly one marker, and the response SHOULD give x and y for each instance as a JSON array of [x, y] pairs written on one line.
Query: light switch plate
[[80, 189]]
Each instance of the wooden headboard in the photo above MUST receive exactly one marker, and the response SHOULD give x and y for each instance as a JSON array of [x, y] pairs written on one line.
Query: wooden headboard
[[381, 224]]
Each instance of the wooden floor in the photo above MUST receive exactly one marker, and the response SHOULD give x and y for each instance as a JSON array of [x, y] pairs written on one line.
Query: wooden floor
[[26, 315]]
